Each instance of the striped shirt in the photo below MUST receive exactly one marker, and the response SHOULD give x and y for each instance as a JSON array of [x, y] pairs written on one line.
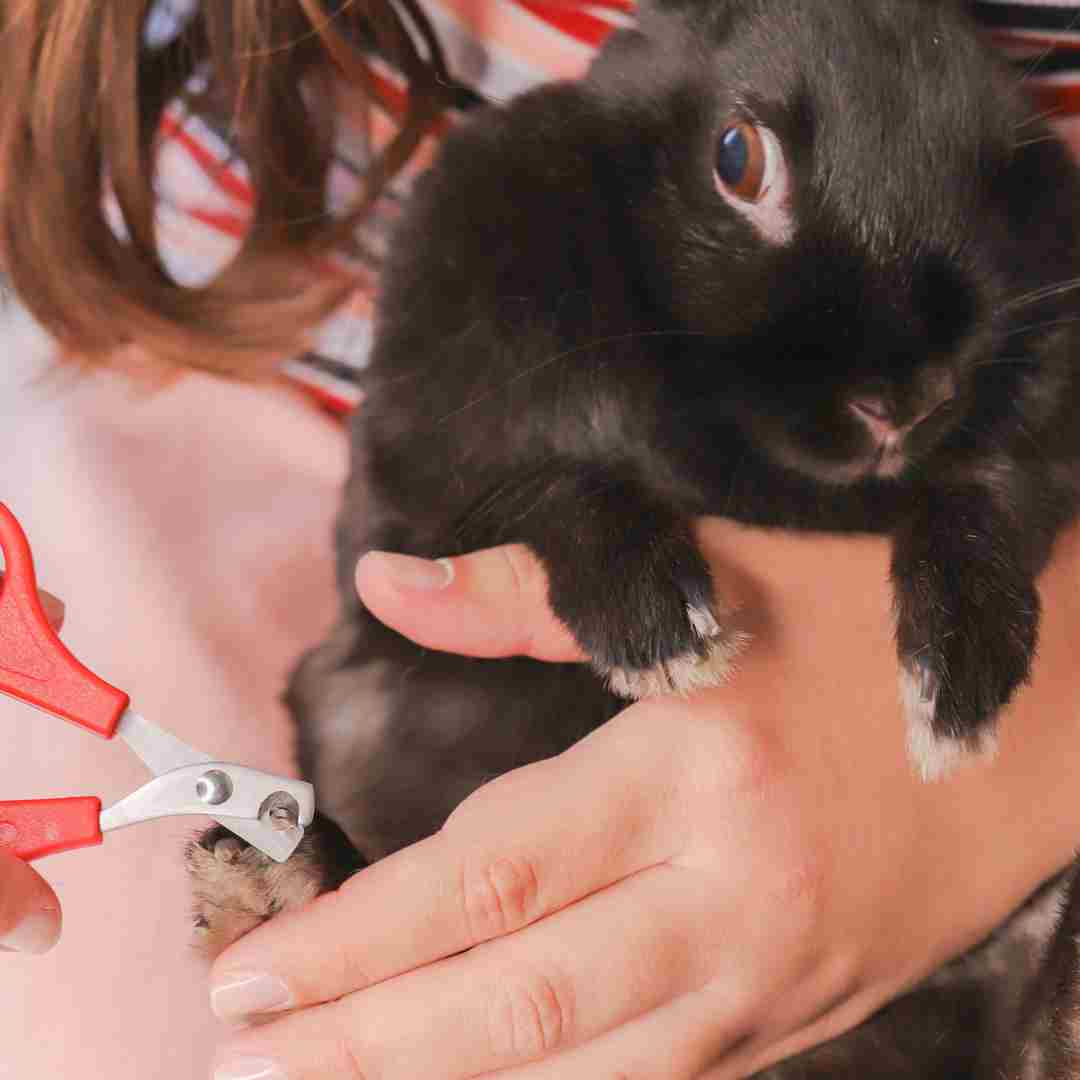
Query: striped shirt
[[496, 49]]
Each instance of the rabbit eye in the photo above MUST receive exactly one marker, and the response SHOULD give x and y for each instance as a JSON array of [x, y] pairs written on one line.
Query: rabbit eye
[[741, 159], [751, 174]]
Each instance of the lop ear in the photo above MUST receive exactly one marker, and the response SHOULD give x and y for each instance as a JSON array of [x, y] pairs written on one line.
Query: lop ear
[[664, 26], [621, 52], [692, 9]]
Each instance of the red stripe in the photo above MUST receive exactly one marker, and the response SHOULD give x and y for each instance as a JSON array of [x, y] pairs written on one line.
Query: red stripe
[[1058, 100], [208, 161], [586, 28], [331, 402], [230, 224], [393, 94], [1013, 38]]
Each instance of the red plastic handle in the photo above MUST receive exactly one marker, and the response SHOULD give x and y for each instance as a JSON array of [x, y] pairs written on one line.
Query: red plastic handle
[[32, 828], [35, 665]]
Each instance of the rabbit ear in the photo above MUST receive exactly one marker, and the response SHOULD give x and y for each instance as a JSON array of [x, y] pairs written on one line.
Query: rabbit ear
[[691, 10], [620, 52]]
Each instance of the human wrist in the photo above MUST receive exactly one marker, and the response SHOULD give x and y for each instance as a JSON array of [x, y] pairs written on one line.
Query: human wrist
[[949, 860]]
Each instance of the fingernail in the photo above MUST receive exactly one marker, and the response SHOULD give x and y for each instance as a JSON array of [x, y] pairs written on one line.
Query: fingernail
[[38, 932], [408, 572], [249, 1068], [236, 996]]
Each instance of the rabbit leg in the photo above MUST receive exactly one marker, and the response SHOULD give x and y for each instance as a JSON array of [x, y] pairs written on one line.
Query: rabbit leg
[[967, 624], [624, 574]]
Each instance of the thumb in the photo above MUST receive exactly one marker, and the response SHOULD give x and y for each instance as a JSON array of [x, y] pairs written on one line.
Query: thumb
[[488, 603], [29, 909]]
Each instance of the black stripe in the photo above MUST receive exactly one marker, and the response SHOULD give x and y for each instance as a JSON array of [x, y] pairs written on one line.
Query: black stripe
[[344, 372], [1028, 17], [1063, 62]]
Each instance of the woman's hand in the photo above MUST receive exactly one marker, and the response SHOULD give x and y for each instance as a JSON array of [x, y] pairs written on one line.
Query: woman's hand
[[29, 909], [700, 887]]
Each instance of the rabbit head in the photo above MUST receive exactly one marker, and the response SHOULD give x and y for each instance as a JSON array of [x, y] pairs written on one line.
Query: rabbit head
[[854, 210]]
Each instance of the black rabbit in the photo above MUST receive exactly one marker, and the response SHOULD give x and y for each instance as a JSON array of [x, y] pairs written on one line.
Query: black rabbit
[[810, 264], [798, 263]]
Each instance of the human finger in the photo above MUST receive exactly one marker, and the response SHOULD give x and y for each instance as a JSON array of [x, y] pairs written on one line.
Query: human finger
[[505, 859], [29, 909], [53, 607], [488, 603], [556, 984], [733, 1027], [678, 1041]]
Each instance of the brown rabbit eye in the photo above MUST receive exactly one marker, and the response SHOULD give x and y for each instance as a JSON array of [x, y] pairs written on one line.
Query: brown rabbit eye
[[741, 161]]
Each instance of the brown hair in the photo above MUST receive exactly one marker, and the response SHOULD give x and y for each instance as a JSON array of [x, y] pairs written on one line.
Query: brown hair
[[82, 96]]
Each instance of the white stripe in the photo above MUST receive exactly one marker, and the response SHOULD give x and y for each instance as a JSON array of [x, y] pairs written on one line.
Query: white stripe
[[347, 337], [346, 392], [486, 68]]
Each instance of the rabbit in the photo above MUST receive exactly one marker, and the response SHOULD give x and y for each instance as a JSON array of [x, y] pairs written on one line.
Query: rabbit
[[800, 264], [807, 264]]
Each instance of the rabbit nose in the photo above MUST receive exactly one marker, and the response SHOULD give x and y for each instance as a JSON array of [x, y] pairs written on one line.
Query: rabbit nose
[[876, 415]]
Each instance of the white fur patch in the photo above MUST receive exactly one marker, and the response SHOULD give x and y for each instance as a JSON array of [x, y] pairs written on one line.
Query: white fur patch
[[935, 756], [689, 672], [703, 621]]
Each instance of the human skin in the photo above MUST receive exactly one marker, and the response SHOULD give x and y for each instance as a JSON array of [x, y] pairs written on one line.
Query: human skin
[[703, 886]]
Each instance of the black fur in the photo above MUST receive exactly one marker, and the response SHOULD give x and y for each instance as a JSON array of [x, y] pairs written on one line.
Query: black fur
[[583, 345]]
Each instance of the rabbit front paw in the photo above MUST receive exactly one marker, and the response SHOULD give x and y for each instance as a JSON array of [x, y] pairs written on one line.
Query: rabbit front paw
[[955, 679], [708, 661], [235, 887], [648, 620]]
